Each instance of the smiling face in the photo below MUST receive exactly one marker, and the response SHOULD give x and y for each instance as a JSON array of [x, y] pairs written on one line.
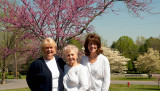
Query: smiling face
[[71, 57], [49, 51], [92, 44], [92, 47], [49, 48]]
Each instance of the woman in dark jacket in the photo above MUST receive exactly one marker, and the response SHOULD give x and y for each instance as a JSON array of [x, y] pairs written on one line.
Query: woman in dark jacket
[[46, 73]]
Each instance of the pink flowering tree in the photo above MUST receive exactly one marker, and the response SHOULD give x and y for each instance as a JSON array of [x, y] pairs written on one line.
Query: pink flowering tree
[[13, 49], [60, 19]]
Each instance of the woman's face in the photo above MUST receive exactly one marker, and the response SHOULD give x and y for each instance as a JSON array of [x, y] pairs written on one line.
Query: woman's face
[[49, 51], [92, 47], [71, 57]]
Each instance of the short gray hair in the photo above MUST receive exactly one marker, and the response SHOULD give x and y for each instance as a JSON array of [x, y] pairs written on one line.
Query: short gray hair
[[69, 48]]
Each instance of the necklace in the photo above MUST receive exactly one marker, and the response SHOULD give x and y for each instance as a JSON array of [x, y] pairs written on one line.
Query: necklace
[[92, 60]]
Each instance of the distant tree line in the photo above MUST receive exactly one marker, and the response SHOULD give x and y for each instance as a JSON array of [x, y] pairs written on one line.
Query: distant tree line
[[133, 50]]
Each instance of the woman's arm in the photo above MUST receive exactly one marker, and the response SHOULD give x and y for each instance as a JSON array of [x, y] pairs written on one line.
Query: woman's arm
[[83, 79], [34, 77], [31, 77], [106, 82]]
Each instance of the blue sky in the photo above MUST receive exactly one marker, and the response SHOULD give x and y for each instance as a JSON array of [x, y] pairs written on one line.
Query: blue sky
[[111, 26]]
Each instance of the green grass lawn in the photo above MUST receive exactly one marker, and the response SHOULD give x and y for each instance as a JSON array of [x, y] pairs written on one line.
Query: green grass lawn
[[114, 87], [12, 77], [112, 78], [20, 89]]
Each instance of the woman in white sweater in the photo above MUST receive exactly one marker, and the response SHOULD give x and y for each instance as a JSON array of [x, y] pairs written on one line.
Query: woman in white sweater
[[75, 78], [97, 64]]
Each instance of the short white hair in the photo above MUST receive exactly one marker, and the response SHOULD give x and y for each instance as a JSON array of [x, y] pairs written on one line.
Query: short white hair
[[69, 48]]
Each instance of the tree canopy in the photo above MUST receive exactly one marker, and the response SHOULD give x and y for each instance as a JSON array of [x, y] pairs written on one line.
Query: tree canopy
[[127, 47], [60, 19], [149, 62]]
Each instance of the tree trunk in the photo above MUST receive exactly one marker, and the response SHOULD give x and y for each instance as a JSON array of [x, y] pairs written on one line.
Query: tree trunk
[[15, 65], [13, 70], [149, 75], [3, 71], [158, 83]]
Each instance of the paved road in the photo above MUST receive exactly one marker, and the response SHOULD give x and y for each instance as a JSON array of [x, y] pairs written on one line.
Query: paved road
[[13, 84], [21, 83]]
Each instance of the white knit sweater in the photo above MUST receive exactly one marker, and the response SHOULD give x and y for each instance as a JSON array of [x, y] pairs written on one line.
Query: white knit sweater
[[99, 73], [75, 78]]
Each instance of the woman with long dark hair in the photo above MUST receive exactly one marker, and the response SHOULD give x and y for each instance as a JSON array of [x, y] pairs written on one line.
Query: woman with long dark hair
[[96, 63]]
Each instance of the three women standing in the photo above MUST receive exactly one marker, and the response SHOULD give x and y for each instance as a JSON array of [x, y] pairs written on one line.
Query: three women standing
[[46, 73]]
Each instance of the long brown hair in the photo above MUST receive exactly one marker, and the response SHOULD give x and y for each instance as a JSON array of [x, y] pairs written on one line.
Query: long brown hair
[[92, 38]]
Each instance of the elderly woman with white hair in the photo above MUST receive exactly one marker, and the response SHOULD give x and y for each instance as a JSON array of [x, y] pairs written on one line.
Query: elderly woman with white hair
[[46, 73], [75, 78]]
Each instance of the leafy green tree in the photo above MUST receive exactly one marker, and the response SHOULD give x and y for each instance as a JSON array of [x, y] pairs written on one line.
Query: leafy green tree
[[140, 41], [130, 66], [77, 43], [153, 43], [148, 62], [149, 43], [128, 48], [143, 48], [113, 44]]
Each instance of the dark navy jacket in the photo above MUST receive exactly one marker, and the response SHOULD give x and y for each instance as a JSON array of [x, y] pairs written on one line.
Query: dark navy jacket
[[39, 77]]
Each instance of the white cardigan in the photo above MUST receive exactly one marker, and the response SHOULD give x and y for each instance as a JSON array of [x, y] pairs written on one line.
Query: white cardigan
[[99, 73], [75, 78]]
